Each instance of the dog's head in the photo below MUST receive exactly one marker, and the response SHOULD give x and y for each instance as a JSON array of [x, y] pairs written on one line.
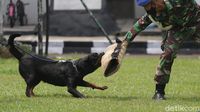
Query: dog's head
[[90, 63], [94, 59]]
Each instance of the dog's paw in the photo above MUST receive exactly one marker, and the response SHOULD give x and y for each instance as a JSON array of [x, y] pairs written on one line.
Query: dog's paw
[[104, 87]]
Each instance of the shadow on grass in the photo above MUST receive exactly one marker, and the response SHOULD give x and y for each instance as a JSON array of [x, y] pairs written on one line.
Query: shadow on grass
[[118, 98], [56, 95], [67, 96], [185, 98], [190, 99]]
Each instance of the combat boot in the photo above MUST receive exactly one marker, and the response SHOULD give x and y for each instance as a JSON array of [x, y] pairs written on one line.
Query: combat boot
[[159, 92]]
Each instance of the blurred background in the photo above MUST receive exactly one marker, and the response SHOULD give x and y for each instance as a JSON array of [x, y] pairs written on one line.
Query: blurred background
[[66, 21], [68, 17]]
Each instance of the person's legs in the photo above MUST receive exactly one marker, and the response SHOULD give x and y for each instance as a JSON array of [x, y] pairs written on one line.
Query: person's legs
[[21, 21], [171, 46]]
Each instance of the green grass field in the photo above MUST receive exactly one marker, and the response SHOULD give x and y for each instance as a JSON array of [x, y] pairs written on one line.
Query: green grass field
[[130, 90]]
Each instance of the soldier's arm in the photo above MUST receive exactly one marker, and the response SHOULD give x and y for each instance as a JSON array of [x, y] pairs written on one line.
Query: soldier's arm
[[139, 26]]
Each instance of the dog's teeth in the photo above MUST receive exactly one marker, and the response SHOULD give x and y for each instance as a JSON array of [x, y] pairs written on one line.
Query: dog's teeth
[[61, 61]]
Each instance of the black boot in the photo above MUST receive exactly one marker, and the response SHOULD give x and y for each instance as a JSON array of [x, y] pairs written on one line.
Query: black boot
[[159, 92]]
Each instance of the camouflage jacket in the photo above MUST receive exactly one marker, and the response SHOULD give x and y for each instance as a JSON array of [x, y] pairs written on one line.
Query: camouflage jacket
[[176, 14]]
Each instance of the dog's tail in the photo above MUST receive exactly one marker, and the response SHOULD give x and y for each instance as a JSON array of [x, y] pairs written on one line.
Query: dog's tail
[[13, 50]]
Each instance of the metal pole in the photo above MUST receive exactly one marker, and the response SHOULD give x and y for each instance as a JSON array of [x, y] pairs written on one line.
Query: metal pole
[[40, 43], [47, 27], [97, 22], [1, 18], [3, 41]]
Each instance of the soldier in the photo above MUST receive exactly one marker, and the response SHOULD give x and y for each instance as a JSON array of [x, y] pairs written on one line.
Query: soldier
[[180, 19]]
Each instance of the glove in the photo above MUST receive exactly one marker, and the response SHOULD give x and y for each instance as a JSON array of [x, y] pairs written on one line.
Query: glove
[[130, 35]]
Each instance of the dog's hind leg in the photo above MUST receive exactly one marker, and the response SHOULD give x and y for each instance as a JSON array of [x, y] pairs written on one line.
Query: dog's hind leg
[[72, 89], [93, 86], [31, 83], [29, 89]]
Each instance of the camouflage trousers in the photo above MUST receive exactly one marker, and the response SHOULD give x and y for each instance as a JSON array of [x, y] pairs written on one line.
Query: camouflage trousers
[[172, 41]]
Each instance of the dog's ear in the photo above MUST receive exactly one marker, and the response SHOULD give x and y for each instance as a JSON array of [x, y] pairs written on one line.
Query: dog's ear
[[91, 56], [101, 54], [118, 40], [95, 54]]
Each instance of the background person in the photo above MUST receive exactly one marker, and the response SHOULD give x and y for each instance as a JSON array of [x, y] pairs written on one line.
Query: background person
[[11, 13], [20, 11]]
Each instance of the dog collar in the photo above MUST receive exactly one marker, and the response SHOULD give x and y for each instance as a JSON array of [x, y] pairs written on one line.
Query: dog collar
[[74, 65]]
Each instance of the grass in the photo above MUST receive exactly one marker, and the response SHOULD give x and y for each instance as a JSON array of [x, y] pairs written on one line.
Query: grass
[[130, 89]]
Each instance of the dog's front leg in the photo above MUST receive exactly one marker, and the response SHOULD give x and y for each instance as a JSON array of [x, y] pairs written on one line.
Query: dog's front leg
[[93, 86], [72, 89]]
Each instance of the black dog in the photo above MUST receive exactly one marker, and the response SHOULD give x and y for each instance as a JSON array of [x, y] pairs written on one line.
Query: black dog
[[34, 68]]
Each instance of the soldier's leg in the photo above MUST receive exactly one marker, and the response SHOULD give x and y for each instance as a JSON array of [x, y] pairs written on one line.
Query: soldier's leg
[[171, 47], [164, 69], [164, 38], [197, 34]]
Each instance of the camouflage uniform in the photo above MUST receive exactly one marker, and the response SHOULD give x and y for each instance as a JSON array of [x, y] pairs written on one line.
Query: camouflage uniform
[[180, 19]]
